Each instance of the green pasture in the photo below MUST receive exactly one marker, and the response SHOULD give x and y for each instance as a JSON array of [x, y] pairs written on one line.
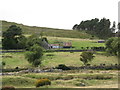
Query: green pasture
[[64, 79], [73, 59], [16, 60], [55, 58], [70, 59], [76, 43]]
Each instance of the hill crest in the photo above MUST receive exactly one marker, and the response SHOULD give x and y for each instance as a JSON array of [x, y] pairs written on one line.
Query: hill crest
[[47, 31]]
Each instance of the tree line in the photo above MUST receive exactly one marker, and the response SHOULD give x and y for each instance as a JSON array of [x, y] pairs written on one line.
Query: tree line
[[100, 28]]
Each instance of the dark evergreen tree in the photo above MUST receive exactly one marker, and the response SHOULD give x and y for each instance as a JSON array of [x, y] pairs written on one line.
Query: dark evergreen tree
[[103, 29], [13, 38], [75, 27], [96, 27]]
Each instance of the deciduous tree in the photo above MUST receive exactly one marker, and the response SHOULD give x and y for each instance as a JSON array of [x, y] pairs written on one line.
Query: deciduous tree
[[86, 57], [113, 46], [34, 55]]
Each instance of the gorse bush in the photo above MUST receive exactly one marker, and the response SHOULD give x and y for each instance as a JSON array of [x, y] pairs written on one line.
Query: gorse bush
[[42, 82]]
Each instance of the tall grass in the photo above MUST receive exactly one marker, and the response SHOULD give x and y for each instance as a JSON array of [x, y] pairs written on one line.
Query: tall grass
[[62, 79]]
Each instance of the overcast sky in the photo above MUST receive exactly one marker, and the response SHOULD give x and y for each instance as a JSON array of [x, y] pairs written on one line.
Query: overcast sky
[[57, 13]]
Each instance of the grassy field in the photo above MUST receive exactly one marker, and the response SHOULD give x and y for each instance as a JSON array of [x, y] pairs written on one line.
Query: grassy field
[[70, 59], [73, 59], [47, 31], [76, 43], [17, 59], [65, 79], [56, 58]]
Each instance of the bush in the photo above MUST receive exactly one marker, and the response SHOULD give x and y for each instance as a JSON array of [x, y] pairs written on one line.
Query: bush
[[8, 88], [42, 82], [63, 67]]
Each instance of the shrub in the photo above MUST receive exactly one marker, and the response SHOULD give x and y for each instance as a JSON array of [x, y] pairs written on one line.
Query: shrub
[[42, 82], [16, 67], [8, 88], [63, 67]]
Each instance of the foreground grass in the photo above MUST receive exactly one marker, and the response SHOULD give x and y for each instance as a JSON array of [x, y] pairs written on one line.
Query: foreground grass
[[17, 81], [65, 79]]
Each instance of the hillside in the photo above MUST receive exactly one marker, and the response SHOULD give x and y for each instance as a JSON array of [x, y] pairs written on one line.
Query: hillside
[[47, 31]]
